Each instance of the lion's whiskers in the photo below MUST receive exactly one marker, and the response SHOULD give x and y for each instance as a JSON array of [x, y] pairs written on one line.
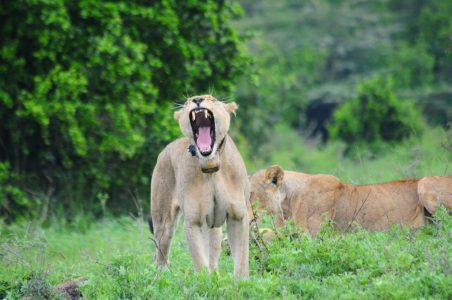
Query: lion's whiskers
[[177, 106], [228, 99]]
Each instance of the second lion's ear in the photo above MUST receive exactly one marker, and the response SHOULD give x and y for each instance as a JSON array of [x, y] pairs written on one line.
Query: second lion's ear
[[231, 107], [176, 114], [275, 175]]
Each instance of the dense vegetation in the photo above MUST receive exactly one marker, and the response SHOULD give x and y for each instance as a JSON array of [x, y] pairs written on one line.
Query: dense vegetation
[[311, 56], [375, 116], [115, 257], [87, 90]]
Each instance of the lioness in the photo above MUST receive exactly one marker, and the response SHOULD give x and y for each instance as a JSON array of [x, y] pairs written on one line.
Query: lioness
[[311, 199], [202, 176], [435, 190]]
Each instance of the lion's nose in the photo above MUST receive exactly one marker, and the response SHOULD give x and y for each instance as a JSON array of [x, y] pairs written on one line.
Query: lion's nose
[[198, 101]]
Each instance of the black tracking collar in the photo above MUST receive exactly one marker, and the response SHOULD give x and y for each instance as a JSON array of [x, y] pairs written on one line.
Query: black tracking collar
[[192, 150]]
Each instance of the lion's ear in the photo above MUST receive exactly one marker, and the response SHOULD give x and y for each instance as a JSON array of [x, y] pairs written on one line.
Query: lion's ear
[[176, 114], [231, 107], [275, 175]]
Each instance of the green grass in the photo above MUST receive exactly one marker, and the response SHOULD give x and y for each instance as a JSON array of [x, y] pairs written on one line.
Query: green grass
[[115, 254]]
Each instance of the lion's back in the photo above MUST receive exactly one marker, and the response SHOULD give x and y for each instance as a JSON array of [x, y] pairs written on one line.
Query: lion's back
[[378, 206]]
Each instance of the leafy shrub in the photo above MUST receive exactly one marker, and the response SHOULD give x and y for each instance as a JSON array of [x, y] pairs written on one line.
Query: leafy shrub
[[375, 115], [13, 201], [38, 288], [412, 66], [87, 87], [435, 27]]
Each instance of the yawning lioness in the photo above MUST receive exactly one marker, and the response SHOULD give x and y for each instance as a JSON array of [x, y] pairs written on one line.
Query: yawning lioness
[[202, 176]]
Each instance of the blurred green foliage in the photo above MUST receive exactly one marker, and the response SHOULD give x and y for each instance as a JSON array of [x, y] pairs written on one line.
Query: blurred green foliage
[[376, 115], [310, 56], [87, 89], [13, 201], [412, 67]]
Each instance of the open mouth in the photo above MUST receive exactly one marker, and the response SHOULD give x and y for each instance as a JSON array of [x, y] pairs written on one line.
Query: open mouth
[[203, 126]]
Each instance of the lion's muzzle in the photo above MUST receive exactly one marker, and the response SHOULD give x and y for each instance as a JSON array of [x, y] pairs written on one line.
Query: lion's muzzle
[[203, 126]]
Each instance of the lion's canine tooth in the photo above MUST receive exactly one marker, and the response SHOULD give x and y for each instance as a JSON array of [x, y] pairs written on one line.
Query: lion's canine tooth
[[193, 115], [205, 113]]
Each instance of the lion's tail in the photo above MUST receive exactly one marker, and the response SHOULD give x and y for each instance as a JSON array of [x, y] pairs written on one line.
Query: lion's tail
[[151, 226]]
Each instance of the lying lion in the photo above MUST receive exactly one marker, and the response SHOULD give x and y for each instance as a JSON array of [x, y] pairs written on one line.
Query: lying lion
[[203, 177], [311, 199]]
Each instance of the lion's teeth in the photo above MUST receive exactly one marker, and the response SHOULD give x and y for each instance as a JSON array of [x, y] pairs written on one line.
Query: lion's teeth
[[205, 113], [193, 115]]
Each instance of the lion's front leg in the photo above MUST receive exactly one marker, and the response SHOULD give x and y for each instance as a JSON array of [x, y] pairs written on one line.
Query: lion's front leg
[[164, 227], [197, 239], [214, 248], [164, 208], [238, 237]]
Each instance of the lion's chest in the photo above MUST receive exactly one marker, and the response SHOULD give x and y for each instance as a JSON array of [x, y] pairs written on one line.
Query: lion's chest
[[209, 199]]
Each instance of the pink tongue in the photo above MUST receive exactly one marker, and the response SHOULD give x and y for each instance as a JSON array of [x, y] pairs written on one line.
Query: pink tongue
[[204, 140]]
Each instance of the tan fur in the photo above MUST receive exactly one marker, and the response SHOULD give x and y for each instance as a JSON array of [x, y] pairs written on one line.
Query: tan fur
[[435, 190], [207, 200], [311, 199]]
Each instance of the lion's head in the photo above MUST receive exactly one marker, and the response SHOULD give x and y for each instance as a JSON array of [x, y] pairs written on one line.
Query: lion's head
[[266, 185], [205, 121]]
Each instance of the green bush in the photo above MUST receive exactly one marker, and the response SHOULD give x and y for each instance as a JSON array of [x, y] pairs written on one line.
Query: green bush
[[87, 87], [435, 27], [412, 66], [13, 201], [376, 115]]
